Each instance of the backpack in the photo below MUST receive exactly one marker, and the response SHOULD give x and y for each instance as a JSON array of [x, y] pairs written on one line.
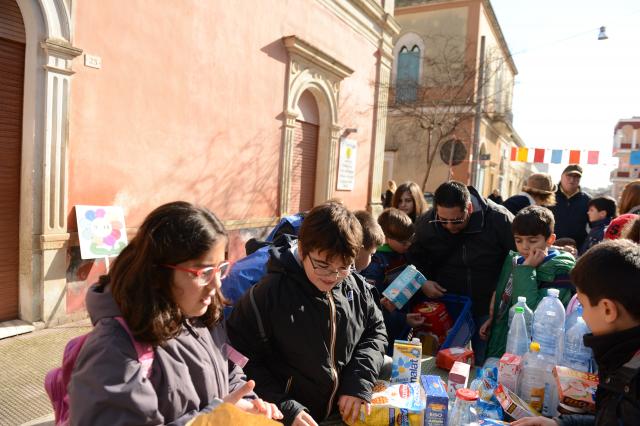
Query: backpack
[[56, 381]]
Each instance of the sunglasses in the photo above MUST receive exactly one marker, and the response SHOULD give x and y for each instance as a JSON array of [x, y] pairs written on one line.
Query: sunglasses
[[449, 221], [205, 275]]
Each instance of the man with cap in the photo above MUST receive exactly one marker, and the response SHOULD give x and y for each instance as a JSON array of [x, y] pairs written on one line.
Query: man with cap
[[571, 206]]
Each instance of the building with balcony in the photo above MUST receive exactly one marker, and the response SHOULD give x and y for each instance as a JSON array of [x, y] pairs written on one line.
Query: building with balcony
[[626, 140], [451, 92]]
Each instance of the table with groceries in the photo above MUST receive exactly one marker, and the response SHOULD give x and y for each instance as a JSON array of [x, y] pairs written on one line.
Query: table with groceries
[[545, 371]]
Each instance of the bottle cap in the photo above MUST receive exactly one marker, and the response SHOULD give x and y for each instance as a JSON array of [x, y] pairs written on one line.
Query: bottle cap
[[534, 347], [553, 292], [522, 299], [467, 394], [519, 310]]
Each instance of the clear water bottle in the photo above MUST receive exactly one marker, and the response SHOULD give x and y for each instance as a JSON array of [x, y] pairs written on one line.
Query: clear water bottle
[[551, 398], [528, 313], [576, 355], [572, 315], [548, 325], [532, 381], [464, 410], [518, 338]]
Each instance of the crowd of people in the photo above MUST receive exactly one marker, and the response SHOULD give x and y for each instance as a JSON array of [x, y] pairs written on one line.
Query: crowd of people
[[307, 335]]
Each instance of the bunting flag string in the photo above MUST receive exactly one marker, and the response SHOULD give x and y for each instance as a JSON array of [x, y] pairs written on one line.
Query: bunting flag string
[[562, 156]]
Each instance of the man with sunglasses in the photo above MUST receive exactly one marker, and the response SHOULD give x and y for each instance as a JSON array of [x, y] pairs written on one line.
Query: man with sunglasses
[[460, 245], [311, 329]]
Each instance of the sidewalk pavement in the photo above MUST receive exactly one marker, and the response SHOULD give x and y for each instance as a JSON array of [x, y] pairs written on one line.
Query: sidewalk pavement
[[26, 358], [24, 361]]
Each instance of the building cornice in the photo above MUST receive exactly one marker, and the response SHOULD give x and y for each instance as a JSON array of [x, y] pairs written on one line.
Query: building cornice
[[366, 17], [314, 55]]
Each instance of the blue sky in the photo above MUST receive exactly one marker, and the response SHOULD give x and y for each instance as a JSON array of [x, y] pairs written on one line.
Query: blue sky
[[571, 88]]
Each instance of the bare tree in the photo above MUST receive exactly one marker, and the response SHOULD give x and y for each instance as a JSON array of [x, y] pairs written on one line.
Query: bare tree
[[454, 89]]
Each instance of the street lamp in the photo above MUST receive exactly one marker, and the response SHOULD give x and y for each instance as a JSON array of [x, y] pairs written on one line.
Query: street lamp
[[603, 34]]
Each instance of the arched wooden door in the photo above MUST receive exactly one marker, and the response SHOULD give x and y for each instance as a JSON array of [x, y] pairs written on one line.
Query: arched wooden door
[[12, 48]]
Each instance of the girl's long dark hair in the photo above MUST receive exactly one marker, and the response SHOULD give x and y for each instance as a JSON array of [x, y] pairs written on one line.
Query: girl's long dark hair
[[171, 234]]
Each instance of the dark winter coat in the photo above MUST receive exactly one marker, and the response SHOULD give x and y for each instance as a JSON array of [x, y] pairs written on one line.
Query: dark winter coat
[[596, 234], [571, 217], [617, 402], [318, 345], [189, 375], [518, 202], [468, 263]]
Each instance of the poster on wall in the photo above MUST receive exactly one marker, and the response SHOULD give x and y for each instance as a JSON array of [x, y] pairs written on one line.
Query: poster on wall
[[101, 231], [347, 164]]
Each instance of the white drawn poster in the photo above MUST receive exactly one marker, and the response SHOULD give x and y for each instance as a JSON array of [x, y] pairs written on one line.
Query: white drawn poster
[[347, 164], [101, 231]]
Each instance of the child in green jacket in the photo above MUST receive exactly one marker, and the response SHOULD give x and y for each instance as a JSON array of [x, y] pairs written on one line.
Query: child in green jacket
[[530, 272]]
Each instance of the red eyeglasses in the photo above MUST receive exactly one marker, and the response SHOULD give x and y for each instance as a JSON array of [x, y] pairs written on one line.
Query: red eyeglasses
[[205, 275]]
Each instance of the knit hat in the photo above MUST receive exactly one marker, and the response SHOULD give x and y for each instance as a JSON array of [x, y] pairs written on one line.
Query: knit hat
[[540, 183], [615, 227]]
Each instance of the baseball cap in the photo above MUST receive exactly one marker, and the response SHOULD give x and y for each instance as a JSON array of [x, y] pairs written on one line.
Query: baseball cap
[[573, 169]]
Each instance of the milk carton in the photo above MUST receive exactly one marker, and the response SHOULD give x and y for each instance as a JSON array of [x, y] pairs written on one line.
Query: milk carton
[[406, 361], [509, 369], [458, 378], [436, 411], [404, 286], [391, 405]]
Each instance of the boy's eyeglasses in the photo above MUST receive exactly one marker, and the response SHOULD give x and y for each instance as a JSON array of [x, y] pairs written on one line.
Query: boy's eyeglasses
[[324, 271], [449, 221], [205, 275]]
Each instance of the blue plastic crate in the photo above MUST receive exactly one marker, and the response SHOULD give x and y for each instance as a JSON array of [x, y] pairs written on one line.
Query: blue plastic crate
[[459, 308]]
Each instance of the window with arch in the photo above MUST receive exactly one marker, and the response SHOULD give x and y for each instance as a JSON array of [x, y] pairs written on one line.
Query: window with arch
[[408, 74]]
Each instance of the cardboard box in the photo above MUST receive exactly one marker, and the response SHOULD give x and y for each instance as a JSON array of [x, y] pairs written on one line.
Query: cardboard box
[[512, 404], [458, 378], [447, 357], [509, 368], [575, 388], [392, 405], [404, 286], [436, 319], [437, 401], [406, 361]]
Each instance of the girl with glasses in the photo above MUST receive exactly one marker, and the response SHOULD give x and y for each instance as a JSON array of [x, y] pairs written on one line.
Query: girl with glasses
[[166, 286]]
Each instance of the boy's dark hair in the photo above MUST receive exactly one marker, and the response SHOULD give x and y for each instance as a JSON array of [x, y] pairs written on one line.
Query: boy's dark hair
[[533, 220], [607, 204], [372, 234], [566, 241], [331, 228], [452, 194], [610, 270], [396, 224]]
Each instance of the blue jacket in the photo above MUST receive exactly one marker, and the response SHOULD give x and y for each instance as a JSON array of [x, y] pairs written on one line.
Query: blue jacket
[[596, 234], [571, 215]]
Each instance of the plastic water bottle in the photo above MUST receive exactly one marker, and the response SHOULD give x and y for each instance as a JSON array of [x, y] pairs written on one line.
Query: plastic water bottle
[[548, 325], [576, 354], [551, 399], [464, 410], [518, 338], [528, 313], [572, 315], [532, 382]]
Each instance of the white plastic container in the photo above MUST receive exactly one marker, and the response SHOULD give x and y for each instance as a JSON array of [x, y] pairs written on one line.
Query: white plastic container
[[532, 383], [518, 338], [548, 325], [528, 313]]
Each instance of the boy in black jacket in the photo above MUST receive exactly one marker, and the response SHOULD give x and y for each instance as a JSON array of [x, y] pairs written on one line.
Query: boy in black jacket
[[311, 329], [607, 277]]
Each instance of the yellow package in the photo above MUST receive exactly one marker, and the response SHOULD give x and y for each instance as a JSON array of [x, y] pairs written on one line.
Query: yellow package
[[394, 405], [228, 414]]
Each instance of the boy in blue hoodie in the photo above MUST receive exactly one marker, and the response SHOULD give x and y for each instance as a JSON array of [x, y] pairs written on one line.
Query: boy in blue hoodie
[[601, 211], [386, 264]]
